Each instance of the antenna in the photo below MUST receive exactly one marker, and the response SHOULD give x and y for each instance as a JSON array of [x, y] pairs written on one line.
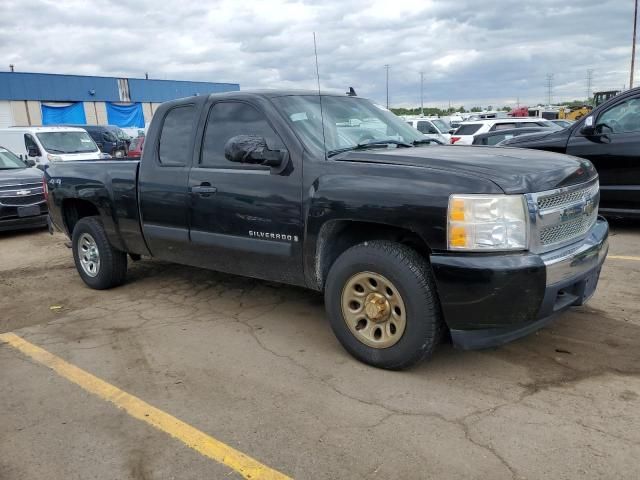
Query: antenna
[[315, 51]]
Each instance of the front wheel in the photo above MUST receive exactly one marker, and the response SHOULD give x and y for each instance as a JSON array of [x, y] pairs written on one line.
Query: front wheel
[[382, 304], [99, 264]]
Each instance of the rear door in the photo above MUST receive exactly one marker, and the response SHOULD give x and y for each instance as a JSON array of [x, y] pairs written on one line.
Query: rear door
[[246, 219], [614, 149], [162, 184]]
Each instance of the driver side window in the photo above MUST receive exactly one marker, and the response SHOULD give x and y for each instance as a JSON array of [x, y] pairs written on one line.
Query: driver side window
[[621, 118], [228, 119], [30, 143]]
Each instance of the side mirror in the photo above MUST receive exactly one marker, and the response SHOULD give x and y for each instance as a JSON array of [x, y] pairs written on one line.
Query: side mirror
[[33, 152], [252, 149], [452, 130], [30, 162], [588, 127]]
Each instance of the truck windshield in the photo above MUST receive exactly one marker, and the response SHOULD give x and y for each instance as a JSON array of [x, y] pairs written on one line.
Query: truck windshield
[[348, 123], [8, 161], [67, 142]]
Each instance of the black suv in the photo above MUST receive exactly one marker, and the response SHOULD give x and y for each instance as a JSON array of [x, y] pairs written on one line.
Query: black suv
[[610, 137]]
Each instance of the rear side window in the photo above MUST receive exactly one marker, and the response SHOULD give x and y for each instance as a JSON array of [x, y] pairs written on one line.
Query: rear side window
[[176, 136], [503, 126], [468, 129]]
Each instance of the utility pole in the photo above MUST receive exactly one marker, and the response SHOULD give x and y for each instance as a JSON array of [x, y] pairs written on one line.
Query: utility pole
[[11, 67], [549, 88], [633, 44], [422, 94], [387, 69], [589, 79]]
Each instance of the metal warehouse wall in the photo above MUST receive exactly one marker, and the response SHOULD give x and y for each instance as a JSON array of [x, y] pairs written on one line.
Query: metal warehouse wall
[[142, 90], [67, 88], [57, 88]]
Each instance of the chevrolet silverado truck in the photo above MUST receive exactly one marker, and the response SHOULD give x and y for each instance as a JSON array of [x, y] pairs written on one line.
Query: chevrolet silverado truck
[[334, 193]]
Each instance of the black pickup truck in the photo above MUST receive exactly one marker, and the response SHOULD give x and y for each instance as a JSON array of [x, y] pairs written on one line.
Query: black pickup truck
[[336, 194], [609, 137]]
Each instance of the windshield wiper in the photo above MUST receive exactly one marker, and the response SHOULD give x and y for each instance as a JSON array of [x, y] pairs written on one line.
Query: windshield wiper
[[426, 140], [55, 150], [365, 145]]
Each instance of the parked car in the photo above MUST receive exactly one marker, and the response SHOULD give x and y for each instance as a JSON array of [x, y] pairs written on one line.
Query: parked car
[[432, 128], [135, 149], [498, 136], [468, 130], [49, 144], [610, 138], [22, 202], [110, 139], [404, 239]]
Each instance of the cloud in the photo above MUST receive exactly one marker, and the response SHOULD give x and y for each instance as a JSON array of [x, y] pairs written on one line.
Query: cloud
[[471, 53]]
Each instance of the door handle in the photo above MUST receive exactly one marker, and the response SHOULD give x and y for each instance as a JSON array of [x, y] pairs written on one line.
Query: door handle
[[203, 189]]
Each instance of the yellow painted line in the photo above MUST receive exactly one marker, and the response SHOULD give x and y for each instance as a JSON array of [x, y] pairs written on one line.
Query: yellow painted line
[[190, 436], [623, 257]]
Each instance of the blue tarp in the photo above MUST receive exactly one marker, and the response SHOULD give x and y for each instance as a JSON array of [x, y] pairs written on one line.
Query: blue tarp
[[125, 115], [71, 114]]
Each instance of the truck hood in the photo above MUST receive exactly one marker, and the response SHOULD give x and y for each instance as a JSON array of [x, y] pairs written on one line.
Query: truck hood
[[514, 170], [19, 176]]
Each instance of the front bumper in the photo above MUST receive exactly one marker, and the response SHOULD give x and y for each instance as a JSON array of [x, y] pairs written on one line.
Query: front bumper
[[489, 300], [23, 223]]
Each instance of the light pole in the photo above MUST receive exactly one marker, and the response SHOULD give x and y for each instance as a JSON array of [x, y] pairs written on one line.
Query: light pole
[[422, 94], [387, 69], [633, 44]]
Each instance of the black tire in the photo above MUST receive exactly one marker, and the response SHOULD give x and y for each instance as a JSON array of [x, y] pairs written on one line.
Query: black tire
[[411, 275], [112, 269]]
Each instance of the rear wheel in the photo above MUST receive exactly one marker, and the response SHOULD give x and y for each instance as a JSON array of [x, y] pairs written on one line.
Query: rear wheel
[[99, 264], [382, 304]]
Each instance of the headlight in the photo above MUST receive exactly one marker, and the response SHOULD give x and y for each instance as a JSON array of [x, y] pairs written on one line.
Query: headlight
[[487, 222], [53, 158]]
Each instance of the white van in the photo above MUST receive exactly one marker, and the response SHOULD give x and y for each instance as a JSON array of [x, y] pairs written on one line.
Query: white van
[[431, 127], [49, 144]]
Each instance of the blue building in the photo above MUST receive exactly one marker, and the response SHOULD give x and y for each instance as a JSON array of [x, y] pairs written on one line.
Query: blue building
[[44, 99]]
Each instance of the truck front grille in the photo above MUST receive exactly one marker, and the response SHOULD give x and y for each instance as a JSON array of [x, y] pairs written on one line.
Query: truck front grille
[[563, 216], [567, 230], [21, 194]]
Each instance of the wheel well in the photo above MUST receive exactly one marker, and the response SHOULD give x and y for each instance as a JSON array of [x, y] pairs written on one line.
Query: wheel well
[[337, 236], [74, 209]]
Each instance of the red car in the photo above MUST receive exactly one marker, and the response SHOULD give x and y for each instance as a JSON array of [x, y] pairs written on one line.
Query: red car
[[135, 149]]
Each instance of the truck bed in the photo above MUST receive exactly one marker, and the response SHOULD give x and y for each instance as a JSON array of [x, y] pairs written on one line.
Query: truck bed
[[111, 185]]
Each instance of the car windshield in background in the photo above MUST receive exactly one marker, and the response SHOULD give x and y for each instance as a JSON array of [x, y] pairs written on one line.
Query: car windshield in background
[[441, 125], [468, 129], [120, 134], [67, 142], [348, 123], [8, 161]]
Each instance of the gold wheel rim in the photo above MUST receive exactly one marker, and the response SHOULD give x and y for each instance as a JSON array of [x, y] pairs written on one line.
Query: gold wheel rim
[[373, 309]]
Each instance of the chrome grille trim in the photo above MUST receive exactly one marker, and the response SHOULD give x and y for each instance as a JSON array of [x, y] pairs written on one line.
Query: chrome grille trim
[[565, 198], [14, 193], [563, 216]]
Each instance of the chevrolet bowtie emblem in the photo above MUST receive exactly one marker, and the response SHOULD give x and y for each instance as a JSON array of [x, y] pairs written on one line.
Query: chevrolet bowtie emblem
[[22, 193]]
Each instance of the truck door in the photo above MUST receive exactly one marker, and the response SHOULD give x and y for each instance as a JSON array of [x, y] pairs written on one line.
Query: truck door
[[162, 182], [245, 219], [614, 149]]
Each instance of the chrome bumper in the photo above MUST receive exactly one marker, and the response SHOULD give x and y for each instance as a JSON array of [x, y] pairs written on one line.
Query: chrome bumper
[[575, 260]]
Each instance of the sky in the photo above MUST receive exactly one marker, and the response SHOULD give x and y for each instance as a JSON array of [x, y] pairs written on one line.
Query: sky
[[472, 52]]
